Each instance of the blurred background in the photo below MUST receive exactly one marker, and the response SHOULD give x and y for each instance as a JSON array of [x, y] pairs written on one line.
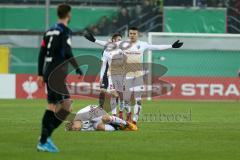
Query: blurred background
[[209, 29], [107, 16]]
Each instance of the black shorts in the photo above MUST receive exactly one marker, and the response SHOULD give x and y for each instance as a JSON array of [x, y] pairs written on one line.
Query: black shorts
[[55, 97], [104, 82]]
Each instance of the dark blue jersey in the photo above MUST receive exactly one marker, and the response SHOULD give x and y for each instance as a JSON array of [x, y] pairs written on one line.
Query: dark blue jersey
[[55, 50]]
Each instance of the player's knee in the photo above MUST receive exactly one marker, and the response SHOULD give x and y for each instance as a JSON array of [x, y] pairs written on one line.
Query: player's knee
[[105, 118], [114, 93], [100, 127], [102, 91], [64, 109], [52, 107], [121, 96], [66, 104]]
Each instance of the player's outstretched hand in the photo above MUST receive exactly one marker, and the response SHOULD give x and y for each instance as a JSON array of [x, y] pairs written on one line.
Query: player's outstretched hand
[[177, 44], [89, 36]]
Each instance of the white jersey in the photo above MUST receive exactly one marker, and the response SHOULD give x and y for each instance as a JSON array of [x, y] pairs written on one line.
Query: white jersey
[[115, 60], [134, 54], [90, 116]]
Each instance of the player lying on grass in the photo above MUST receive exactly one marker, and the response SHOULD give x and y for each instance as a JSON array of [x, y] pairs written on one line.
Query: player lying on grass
[[94, 118]]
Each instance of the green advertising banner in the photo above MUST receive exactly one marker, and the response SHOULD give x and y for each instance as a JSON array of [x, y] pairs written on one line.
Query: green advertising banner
[[179, 62], [194, 20], [33, 18]]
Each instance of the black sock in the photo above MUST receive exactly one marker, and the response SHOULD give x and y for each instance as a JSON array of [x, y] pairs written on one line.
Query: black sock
[[55, 124], [62, 114], [46, 125]]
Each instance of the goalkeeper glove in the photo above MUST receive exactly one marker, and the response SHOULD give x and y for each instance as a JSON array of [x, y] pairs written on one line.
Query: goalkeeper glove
[[177, 44], [79, 71], [89, 36]]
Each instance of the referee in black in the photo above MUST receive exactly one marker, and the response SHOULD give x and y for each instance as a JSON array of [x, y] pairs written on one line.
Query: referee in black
[[55, 51]]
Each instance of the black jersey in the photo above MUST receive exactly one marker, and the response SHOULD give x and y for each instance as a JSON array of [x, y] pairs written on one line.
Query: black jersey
[[55, 50]]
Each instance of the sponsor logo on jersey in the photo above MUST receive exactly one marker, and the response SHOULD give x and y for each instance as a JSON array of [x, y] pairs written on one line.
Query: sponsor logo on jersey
[[69, 41]]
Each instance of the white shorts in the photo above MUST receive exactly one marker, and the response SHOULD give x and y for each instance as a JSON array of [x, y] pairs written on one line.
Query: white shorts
[[96, 121], [133, 85], [116, 82]]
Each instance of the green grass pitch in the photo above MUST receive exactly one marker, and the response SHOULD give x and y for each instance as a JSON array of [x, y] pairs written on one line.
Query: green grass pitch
[[213, 133]]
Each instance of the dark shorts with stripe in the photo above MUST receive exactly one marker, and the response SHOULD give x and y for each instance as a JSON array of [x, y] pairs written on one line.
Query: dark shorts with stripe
[[54, 97]]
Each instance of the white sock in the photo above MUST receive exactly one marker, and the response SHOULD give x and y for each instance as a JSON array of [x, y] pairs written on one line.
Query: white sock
[[113, 103], [108, 127], [116, 120], [128, 107], [121, 106], [137, 110]]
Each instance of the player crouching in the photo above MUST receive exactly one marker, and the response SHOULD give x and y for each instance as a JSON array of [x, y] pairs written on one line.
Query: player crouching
[[94, 118]]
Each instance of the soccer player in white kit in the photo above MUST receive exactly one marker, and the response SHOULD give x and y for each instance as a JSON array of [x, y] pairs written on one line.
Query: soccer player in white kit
[[134, 50], [113, 58]]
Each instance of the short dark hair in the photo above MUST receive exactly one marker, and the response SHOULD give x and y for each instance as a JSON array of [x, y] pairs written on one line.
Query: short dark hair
[[63, 10], [116, 35], [133, 28]]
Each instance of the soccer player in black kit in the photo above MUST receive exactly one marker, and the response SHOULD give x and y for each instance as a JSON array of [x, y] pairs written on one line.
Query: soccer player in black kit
[[55, 51]]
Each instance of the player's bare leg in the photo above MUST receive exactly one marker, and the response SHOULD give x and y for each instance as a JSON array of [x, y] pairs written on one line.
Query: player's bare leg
[[113, 120], [107, 119], [77, 125], [105, 127]]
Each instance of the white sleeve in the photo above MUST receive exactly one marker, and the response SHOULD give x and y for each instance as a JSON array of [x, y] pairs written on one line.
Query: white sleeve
[[101, 43], [157, 47], [104, 56], [103, 67]]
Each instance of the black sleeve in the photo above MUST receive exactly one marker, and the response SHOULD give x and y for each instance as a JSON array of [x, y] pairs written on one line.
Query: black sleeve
[[41, 57], [68, 51]]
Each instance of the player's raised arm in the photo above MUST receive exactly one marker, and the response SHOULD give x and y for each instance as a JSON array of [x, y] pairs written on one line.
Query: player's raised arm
[[176, 44], [89, 36], [103, 68]]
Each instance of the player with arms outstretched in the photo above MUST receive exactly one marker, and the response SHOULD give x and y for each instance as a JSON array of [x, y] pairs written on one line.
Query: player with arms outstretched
[[134, 50]]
